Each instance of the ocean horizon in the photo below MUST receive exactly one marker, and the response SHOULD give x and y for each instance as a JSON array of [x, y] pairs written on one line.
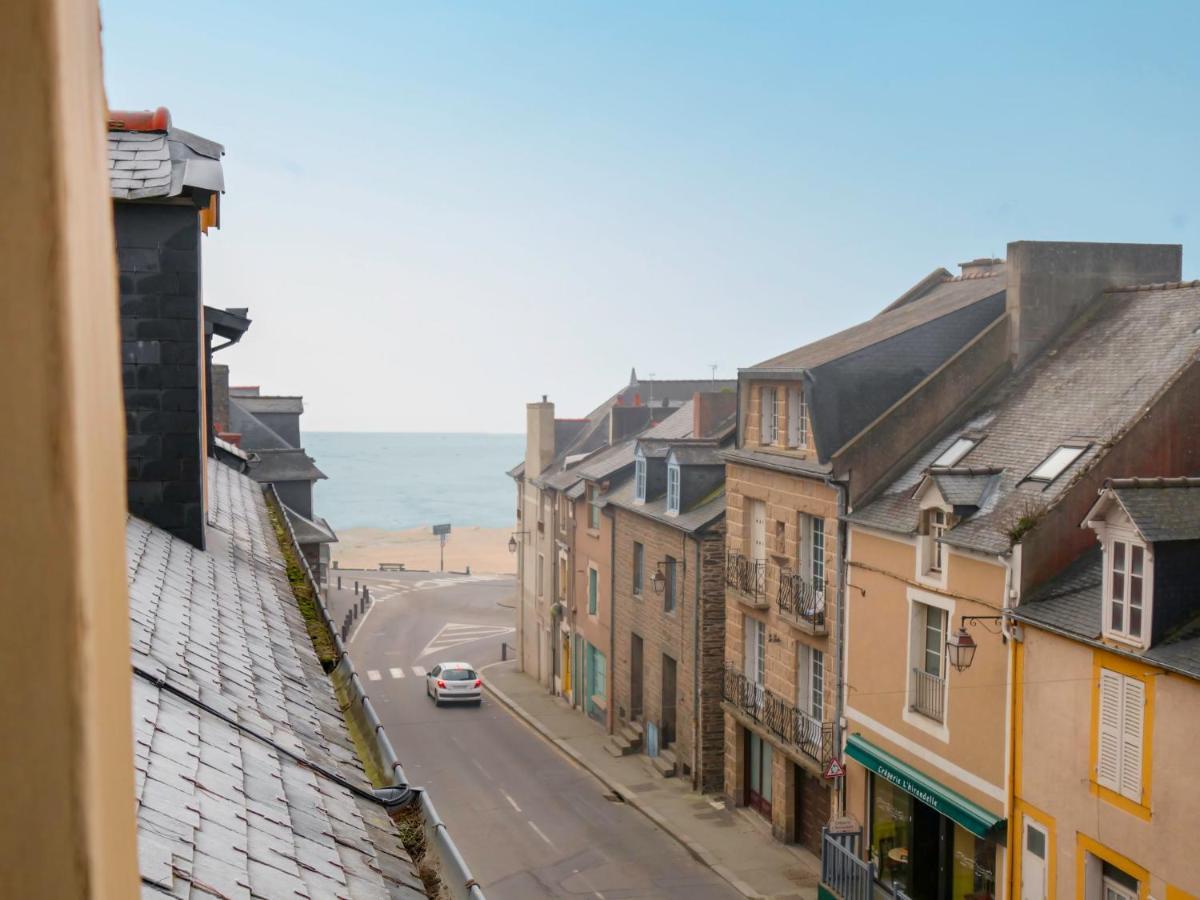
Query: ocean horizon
[[402, 480]]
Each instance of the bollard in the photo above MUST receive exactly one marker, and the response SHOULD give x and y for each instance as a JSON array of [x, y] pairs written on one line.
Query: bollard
[[366, 594], [503, 651], [339, 582], [356, 589]]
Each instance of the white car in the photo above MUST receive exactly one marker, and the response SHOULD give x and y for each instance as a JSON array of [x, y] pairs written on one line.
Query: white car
[[454, 682]]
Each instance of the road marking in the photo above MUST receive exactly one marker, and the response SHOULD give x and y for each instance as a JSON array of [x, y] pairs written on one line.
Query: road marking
[[595, 893], [373, 675], [419, 671], [512, 802], [397, 673], [541, 834], [452, 634], [482, 769]]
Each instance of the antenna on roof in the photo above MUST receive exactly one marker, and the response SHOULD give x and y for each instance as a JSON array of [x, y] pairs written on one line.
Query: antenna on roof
[[713, 366], [650, 402]]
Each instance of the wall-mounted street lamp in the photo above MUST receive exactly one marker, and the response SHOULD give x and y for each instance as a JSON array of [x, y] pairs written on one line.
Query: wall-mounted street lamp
[[961, 647], [659, 581], [512, 541]]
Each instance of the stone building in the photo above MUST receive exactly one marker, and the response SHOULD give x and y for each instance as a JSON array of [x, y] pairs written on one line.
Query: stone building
[[668, 594]]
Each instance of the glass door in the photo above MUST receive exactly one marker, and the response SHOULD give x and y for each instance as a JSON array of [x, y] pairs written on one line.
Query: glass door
[[759, 763]]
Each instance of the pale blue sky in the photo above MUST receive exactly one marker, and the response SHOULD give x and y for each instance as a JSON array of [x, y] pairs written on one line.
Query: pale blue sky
[[438, 211]]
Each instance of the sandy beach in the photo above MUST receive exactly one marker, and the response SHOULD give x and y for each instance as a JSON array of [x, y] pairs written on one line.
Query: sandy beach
[[485, 550]]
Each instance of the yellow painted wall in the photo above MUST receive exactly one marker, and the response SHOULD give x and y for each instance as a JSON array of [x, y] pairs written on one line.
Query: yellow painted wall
[[1057, 691], [66, 763]]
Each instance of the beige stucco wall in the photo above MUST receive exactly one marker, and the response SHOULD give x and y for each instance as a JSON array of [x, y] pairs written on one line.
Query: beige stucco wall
[[66, 764], [1056, 695], [878, 664]]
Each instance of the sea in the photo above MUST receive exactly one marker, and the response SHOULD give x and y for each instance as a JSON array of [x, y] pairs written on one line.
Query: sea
[[400, 481]]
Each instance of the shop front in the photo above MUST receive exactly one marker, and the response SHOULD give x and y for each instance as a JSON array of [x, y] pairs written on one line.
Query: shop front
[[923, 837]]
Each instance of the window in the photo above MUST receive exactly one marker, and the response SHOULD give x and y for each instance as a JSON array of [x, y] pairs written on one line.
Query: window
[[937, 521], [1121, 713], [797, 418], [810, 681], [954, 453], [935, 640], [1034, 868], [639, 477], [927, 681], [563, 569], [541, 566], [1056, 463], [1126, 590], [639, 566], [593, 508], [669, 590], [817, 545], [593, 591], [673, 489], [1117, 884], [755, 637], [769, 415]]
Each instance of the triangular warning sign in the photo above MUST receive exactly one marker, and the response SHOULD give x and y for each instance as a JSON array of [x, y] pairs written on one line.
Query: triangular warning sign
[[834, 769]]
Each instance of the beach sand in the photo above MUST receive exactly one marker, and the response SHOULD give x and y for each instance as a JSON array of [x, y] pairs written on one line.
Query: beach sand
[[485, 550]]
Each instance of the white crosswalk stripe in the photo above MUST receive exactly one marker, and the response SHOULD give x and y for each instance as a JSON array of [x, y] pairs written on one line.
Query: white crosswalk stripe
[[452, 634], [419, 671], [397, 673], [373, 675]]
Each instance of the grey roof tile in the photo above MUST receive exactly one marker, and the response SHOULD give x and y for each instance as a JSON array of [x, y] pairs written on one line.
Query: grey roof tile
[[1163, 509], [158, 164], [219, 812]]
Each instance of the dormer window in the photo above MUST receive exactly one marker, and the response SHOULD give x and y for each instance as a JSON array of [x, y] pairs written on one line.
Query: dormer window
[[1126, 590], [939, 520], [797, 418], [639, 477], [673, 481], [954, 453], [935, 522], [1056, 463], [768, 415]]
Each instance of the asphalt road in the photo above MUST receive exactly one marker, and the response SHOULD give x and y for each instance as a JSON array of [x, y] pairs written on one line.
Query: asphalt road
[[529, 822]]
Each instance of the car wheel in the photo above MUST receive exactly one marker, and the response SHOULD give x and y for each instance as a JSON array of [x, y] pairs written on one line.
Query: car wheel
[[479, 702], [437, 701]]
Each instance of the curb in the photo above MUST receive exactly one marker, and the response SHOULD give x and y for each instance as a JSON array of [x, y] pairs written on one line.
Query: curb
[[696, 851]]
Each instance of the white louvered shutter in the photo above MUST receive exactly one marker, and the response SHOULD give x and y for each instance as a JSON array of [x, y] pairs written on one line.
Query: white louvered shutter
[[793, 417], [1133, 714], [1108, 751]]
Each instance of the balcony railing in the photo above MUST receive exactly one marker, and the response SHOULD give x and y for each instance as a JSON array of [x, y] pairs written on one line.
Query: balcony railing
[[802, 599], [928, 695], [748, 576], [812, 738]]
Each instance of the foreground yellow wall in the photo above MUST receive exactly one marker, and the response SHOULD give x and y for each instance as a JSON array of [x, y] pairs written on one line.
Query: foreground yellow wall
[[1055, 782], [66, 762]]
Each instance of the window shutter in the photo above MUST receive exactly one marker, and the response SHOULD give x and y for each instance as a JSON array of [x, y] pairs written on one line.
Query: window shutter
[[1133, 708], [1108, 748], [793, 417], [766, 402], [750, 648]]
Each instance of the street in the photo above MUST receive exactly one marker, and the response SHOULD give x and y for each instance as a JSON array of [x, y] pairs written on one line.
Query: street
[[529, 822]]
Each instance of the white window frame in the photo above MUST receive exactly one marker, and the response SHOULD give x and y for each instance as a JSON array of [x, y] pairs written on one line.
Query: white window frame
[[1122, 541], [768, 421], [1121, 736], [918, 600], [754, 649], [810, 681], [797, 418], [816, 549], [639, 477], [937, 522], [674, 487], [593, 495], [1056, 462], [593, 572], [953, 454]]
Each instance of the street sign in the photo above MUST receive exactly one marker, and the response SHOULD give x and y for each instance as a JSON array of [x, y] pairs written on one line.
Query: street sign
[[834, 769], [843, 825], [441, 529]]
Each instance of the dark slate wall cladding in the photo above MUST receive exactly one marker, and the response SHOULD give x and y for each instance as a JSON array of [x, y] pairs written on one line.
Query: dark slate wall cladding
[[158, 255], [297, 496]]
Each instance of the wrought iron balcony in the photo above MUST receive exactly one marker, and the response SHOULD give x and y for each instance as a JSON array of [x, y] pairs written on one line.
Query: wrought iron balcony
[[749, 576], [928, 695], [810, 736], [802, 600]]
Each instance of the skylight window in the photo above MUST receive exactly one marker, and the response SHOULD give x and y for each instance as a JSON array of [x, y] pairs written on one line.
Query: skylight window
[[1056, 463], [954, 453]]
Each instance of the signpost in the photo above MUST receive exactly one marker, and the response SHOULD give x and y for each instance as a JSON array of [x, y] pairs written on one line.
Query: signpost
[[834, 769], [441, 531]]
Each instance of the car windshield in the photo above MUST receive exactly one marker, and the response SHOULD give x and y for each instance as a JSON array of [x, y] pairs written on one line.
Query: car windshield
[[458, 675]]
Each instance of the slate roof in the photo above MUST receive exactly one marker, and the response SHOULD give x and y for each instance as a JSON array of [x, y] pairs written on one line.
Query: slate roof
[[277, 404], [309, 531], [964, 487], [1162, 509], [256, 434], [695, 518], [791, 465], [148, 164], [284, 465], [1089, 386], [1073, 602], [220, 812]]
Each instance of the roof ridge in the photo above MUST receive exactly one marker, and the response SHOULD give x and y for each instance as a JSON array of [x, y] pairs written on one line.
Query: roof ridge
[[1156, 286], [1181, 481], [974, 276], [965, 470]]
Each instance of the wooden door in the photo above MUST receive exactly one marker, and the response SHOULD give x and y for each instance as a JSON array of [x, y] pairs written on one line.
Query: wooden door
[[668, 700], [635, 677]]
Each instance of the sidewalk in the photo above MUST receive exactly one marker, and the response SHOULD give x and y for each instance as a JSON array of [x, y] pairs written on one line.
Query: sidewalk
[[730, 842]]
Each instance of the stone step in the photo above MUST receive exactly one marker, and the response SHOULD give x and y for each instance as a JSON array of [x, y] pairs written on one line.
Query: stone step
[[618, 746], [636, 727], [665, 763], [631, 734]]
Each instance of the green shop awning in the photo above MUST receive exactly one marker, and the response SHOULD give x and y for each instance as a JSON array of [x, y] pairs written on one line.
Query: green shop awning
[[950, 804]]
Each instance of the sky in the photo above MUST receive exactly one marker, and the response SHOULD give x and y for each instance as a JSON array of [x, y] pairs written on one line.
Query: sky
[[437, 212]]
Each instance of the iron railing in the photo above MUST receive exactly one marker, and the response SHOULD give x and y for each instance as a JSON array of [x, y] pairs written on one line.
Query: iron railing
[[747, 575], [928, 695], [791, 725], [802, 598], [844, 873]]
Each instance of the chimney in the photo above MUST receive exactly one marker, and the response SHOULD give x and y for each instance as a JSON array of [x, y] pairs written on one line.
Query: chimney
[[985, 265], [1050, 283], [220, 398], [626, 421], [539, 436], [710, 409]]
